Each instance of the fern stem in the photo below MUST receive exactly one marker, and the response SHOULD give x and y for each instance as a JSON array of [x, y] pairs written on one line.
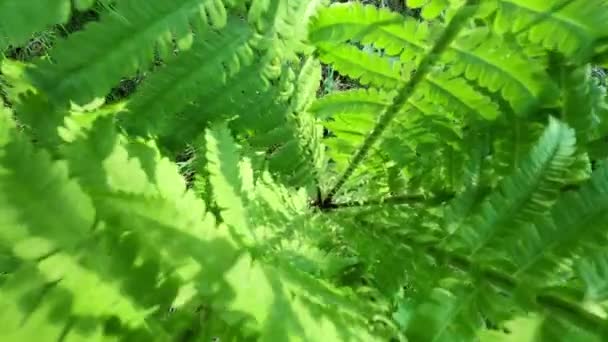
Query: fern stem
[[406, 91], [392, 200]]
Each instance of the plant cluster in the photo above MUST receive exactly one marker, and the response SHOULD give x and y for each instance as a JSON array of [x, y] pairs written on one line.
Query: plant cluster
[[454, 188]]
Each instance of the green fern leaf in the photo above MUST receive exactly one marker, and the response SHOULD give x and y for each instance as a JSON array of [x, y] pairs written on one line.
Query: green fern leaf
[[357, 101], [127, 37], [366, 67], [481, 56], [513, 138], [386, 30], [50, 240], [593, 270], [456, 94], [230, 50], [577, 216], [446, 316], [529, 192], [225, 178], [289, 306], [580, 100], [571, 27], [19, 20]]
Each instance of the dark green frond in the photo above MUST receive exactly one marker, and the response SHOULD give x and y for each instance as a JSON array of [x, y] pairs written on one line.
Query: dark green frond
[[127, 37], [578, 216], [20, 19], [527, 193]]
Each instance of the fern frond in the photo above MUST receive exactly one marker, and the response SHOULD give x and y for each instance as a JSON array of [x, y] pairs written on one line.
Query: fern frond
[[293, 149], [446, 316], [370, 69], [225, 178], [136, 192], [366, 67], [527, 193], [477, 54], [435, 202], [580, 106], [577, 217], [19, 20], [593, 271], [289, 305], [127, 37], [357, 101], [571, 27], [266, 208], [282, 25], [488, 290], [352, 114], [215, 58], [249, 64], [51, 239], [512, 140], [459, 96], [431, 9], [488, 59], [78, 219], [143, 195], [407, 90], [386, 30]]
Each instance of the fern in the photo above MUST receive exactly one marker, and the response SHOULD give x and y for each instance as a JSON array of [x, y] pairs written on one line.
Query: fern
[[450, 186]]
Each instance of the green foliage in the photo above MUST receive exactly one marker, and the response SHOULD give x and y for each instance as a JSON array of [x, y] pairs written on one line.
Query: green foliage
[[19, 20], [457, 191]]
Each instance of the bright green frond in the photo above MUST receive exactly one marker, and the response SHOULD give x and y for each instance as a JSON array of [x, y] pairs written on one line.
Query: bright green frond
[[248, 61], [352, 114], [288, 170], [140, 205], [284, 304], [537, 328], [431, 9], [482, 56], [365, 66], [569, 26], [356, 101], [51, 239], [225, 178], [386, 30], [69, 223], [293, 149], [457, 95]]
